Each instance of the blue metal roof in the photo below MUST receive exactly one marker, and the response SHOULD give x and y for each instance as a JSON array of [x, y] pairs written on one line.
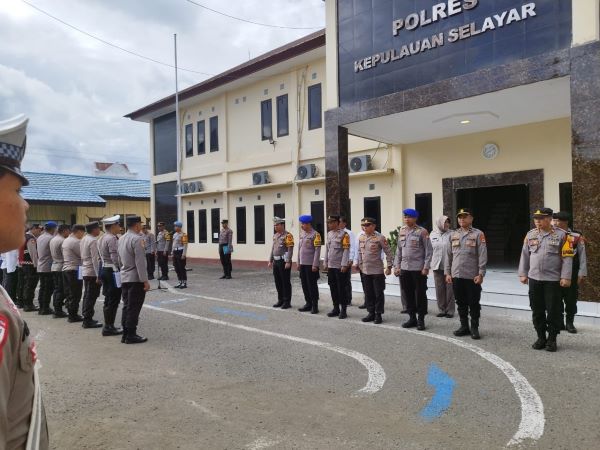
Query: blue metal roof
[[53, 187]]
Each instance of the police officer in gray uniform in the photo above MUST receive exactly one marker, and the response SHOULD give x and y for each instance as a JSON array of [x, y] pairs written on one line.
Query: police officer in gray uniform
[[134, 278], [281, 262], [180, 244], [465, 265], [163, 244], [150, 244], [109, 256], [90, 269], [309, 259], [71, 248], [546, 265], [337, 257], [44, 268], [59, 294]]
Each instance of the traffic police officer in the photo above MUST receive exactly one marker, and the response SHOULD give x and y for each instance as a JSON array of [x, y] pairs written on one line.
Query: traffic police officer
[[58, 296], [28, 259], [44, 268], [134, 278], [71, 249], [337, 257], [309, 257], [90, 270], [465, 266], [163, 242], [225, 248], [370, 246], [109, 256], [577, 245], [412, 263], [180, 244], [281, 262], [546, 265]]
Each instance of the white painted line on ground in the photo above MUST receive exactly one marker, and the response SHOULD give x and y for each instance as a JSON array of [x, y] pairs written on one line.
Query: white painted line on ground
[[376, 373]]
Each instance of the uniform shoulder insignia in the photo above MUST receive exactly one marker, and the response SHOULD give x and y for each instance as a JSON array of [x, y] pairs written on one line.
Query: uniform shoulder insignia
[[317, 241], [567, 249], [3, 333], [289, 240], [482, 237], [143, 243], [346, 241], [167, 236], [184, 238]]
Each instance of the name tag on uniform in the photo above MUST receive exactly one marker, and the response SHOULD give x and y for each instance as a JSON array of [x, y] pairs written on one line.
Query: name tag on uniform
[[455, 243], [533, 242], [471, 243]]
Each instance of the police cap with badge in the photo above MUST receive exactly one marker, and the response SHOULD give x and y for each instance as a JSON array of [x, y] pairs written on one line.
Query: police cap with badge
[[12, 145], [111, 220]]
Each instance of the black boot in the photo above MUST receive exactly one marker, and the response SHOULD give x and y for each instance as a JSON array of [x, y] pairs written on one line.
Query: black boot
[[369, 318], [411, 322], [551, 343], [286, 305], [133, 338], [570, 327], [475, 329], [343, 314], [315, 308], [378, 319], [540, 344], [334, 312], [59, 313], [421, 323], [74, 317], [183, 286], [307, 307], [279, 304], [464, 327]]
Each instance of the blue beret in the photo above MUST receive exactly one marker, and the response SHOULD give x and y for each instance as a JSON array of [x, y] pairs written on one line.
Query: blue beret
[[410, 213], [178, 224], [50, 225], [306, 219]]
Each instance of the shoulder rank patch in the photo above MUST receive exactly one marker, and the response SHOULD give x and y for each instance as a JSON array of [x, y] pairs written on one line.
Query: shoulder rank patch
[[289, 240], [346, 241], [317, 241], [482, 238], [167, 236], [3, 333], [567, 249], [184, 239]]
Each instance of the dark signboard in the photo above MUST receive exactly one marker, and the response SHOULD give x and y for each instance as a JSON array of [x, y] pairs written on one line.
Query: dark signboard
[[387, 46]]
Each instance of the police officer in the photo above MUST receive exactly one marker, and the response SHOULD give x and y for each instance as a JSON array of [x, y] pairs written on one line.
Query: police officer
[[109, 257], [59, 294], [412, 262], [90, 269], [443, 291], [163, 244], [134, 278], [281, 262], [21, 408], [180, 244], [577, 245], [337, 256], [370, 246], [44, 268], [546, 265], [309, 258], [150, 243], [351, 258], [225, 248], [73, 283], [465, 266], [28, 259]]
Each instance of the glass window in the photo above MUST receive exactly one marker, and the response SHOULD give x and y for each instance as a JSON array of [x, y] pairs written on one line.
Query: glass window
[[165, 144], [214, 134], [191, 227], [189, 140], [240, 224], [201, 132], [215, 223], [259, 224], [202, 226], [279, 210], [266, 119], [283, 122], [372, 208], [315, 110], [165, 203]]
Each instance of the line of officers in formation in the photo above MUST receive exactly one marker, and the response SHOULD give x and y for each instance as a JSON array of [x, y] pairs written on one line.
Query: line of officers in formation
[[552, 263]]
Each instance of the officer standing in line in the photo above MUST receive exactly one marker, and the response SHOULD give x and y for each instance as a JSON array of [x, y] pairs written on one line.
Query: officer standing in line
[[546, 265], [90, 269], [570, 294], [370, 246], [71, 248], [180, 244], [59, 294], [134, 279], [150, 243], [163, 242], [29, 260], [309, 260], [9, 269], [109, 256], [443, 291], [348, 273], [337, 255], [44, 268], [412, 263], [281, 262], [225, 248], [465, 266]]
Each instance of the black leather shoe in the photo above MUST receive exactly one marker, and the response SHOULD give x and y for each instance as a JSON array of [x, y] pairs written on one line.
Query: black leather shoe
[[551, 345], [475, 333], [135, 339], [60, 314], [421, 324], [228, 277], [343, 314], [305, 308], [74, 318], [178, 286], [45, 311], [363, 306], [223, 277], [378, 319], [410, 323], [540, 344], [183, 286], [441, 315], [449, 316], [111, 331], [286, 306], [30, 308], [463, 331], [369, 318], [333, 313], [571, 328], [278, 305], [91, 324]]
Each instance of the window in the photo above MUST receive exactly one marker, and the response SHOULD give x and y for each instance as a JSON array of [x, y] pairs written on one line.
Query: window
[[372, 208], [266, 119], [215, 219], [283, 123], [259, 224], [189, 141], [165, 202], [240, 224], [423, 206], [315, 110], [165, 144], [279, 210], [202, 225], [317, 211], [190, 226], [565, 193], [201, 131], [214, 134]]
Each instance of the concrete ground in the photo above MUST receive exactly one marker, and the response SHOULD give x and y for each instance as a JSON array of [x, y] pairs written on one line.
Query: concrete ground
[[224, 370]]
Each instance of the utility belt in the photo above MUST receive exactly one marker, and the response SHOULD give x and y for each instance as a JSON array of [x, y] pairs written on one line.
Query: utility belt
[[109, 266], [178, 249], [279, 258]]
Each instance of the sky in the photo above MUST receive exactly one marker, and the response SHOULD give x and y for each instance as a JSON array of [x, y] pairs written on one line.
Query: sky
[[76, 90]]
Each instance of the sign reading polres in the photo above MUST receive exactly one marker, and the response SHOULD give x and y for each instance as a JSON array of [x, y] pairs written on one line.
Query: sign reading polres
[[393, 45]]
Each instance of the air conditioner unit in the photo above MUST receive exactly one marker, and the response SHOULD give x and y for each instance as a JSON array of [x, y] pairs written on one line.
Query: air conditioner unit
[[307, 171], [185, 188], [195, 186], [360, 163], [260, 178]]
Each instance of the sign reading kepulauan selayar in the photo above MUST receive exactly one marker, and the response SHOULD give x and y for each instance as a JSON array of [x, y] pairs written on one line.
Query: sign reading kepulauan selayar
[[387, 46]]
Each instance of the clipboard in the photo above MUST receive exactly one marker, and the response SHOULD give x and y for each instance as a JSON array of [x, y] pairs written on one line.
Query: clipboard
[[117, 279]]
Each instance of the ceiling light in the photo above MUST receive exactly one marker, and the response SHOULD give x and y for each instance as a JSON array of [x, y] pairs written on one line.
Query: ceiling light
[[465, 122]]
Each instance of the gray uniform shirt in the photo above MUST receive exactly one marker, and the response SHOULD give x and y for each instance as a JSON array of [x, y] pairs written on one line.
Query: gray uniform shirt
[[545, 256], [577, 244], [466, 254], [283, 247], [439, 241], [71, 249], [226, 237], [163, 241], [369, 253], [309, 248], [132, 255], [414, 249], [150, 243], [90, 258], [337, 249], [180, 242], [108, 249], [44, 254], [57, 254]]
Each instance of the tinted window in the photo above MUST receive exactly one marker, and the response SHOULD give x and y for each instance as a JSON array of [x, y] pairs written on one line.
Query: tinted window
[[165, 144], [317, 211], [283, 125], [314, 107], [165, 203], [266, 120], [191, 227], [214, 134], [423, 206], [240, 224], [372, 208], [189, 140], [259, 224], [202, 226], [279, 210], [215, 219], [201, 137]]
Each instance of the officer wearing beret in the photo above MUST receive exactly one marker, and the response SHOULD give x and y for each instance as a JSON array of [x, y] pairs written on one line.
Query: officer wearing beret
[[71, 249], [225, 248], [465, 265], [309, 258], [90, 270], [59, 294], [21, 408], [546, 265], [412, 263], [134, 278], [180, 244], [577, 246], [108, 248], [44, 268], [163, 244], [281, 262]]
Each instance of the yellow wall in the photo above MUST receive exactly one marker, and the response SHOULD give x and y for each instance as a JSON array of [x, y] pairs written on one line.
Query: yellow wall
[[44, 213]]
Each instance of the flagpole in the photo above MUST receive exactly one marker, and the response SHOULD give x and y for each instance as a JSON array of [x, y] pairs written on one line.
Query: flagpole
[[178, 133]]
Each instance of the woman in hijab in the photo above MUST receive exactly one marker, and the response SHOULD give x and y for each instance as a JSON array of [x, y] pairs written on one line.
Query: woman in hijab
[[443, 291]]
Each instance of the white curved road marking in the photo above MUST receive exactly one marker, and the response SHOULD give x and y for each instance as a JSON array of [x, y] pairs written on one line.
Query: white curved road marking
[[376, 373]]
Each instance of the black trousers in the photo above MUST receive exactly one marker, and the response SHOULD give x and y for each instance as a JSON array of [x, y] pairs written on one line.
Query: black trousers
[[374, 286], [414, 285], [46, 289], [283, 282], [20, 287], [10, 283], [58, 295], [73, 287], [545, 303], [225, 260], [569, 298], [348, 285], [179, 264], [90, 295], [133, 300], [150, 264], [30, 282], [112, 296], [310, 288], [468, 297], [337, 285], [163, 263]]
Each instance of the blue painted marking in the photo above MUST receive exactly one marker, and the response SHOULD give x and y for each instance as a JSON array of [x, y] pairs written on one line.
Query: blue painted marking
[[442, 399], [235, 312]]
